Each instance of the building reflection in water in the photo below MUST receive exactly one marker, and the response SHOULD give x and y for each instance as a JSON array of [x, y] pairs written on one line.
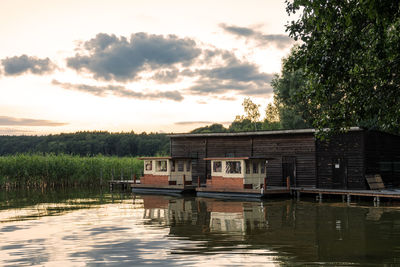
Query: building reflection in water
[[293, 231]]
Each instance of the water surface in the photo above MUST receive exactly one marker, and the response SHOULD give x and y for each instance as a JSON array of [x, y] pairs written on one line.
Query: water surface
[[79, 228]]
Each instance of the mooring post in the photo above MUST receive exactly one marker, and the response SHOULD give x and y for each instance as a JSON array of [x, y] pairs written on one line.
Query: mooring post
[[298, 194], [198, 181], [184, 180], [288, 182], [134, 178], [320, 197], [348, 198], [265, 184], [122, 175]]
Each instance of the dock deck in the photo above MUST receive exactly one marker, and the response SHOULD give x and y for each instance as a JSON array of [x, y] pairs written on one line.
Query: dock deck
[[156, 188], [245, 193], [348, 193]]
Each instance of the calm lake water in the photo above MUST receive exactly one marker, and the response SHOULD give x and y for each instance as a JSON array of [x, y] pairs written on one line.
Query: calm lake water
[[79, 228]]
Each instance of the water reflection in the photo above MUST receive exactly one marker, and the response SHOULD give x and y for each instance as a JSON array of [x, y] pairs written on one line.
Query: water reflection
[[290, 231], [97, 228]]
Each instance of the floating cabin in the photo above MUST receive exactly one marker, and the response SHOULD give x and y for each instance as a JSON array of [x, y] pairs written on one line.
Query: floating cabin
[[166, 173], [241, 160]]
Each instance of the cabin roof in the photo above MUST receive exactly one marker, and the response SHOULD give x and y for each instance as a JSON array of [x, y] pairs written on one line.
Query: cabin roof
[[153, 158], [235, 158], [277, 132], [164, 157]]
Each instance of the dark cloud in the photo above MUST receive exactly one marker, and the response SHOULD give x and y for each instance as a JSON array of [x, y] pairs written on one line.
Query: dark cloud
[[242, 78], [166, 76], [109, 57], [25, 64], [11, 121], [215, 87], [240, 31], [238, 71], [279, 40], [193, 122], [119, 91]]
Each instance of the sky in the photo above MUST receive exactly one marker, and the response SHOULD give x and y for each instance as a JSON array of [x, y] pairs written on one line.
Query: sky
[[132, 65]]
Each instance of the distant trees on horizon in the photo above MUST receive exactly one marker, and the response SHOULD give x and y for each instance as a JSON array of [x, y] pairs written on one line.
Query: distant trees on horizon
[[88, 144]]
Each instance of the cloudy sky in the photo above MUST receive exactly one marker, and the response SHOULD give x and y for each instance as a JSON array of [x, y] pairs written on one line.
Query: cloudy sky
[[123, 65]]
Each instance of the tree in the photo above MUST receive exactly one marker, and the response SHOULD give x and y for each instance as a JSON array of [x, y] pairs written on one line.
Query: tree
[[350, 57], [293, 114], [251, 111], [214, 128]]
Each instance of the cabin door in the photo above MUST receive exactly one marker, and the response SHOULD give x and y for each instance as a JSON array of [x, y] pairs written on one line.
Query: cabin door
[[289, 170], [339, 173]]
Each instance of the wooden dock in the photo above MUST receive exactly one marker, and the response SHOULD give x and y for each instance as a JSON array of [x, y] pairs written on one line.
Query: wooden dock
[[122, 184], [242, 193], [347, 194], [163, 189]]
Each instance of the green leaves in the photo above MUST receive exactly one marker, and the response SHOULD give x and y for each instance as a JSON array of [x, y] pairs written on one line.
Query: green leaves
[[350, 59]]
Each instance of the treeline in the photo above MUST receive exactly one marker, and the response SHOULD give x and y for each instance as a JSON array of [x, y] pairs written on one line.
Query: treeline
[[88, 144]]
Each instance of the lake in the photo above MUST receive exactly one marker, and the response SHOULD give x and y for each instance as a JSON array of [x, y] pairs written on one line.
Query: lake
[[90, 227]]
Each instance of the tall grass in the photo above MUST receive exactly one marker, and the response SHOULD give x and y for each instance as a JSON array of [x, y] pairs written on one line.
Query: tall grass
[[26, 170]]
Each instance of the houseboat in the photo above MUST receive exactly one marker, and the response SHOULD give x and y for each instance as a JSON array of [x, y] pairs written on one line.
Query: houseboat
[[165, 175], [342, 162], [238, 177]]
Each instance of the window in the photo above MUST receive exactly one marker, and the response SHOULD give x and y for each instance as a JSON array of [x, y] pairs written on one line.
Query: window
[[188, 163], [233, 167], [217, 166], [385, 166], [148, 165], [181, 166], [247, 167], [262, 168], [172, 165], [255, 167], [161, 166]]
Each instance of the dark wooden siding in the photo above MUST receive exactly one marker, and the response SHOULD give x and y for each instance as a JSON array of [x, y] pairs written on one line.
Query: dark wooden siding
[[348, 147], [300, 146], [195, 148], [383, 156]]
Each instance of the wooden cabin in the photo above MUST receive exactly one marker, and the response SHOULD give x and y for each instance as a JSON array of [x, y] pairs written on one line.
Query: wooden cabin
[[236, 173], [164, 171], [343, 162]]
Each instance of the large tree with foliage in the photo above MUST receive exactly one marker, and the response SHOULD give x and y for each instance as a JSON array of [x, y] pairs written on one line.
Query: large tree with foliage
[[293, 114], [350, 55]]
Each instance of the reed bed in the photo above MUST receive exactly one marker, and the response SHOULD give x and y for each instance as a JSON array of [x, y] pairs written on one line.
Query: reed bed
[[34, 170]]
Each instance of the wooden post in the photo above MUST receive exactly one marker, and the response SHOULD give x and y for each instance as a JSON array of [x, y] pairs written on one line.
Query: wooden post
[[265, 183], [184, 180], [134, 179], [198, 181], [288, 182]]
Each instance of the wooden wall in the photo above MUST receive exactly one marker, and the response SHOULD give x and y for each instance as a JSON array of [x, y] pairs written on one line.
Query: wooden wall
[[349, 147], [300, 146], [383, 156], [364, 152]]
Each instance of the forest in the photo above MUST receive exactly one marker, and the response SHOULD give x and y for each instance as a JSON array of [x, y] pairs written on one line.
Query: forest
[[88, 144]]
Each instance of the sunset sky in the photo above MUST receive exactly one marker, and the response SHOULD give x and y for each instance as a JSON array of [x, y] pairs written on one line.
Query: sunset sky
[[128, 65]]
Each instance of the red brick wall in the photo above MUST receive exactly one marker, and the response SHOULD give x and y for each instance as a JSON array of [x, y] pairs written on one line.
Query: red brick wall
[[231, 207], [222, 182], [154, 202], [154, 179]]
